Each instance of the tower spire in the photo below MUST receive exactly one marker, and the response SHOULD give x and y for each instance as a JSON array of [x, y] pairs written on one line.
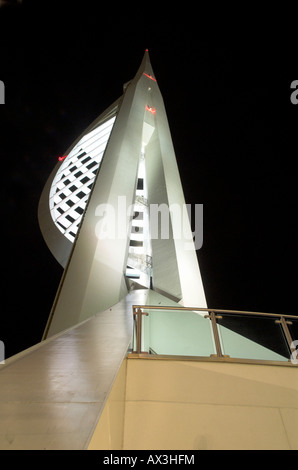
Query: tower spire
[[146, 67]]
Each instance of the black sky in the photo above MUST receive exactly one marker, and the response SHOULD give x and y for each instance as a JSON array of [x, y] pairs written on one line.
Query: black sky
[[233, 126]]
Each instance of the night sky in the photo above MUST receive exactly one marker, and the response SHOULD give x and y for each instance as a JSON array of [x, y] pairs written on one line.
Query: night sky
[[234, 129]]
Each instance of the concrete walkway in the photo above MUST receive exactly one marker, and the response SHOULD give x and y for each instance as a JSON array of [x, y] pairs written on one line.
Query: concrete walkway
[[52, 394]]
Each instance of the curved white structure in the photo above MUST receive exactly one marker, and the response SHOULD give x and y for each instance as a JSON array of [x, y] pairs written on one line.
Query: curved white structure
[[74, 179]]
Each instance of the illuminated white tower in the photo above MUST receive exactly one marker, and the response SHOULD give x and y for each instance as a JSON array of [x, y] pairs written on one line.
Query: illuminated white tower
[[97, 207], [189, 377]]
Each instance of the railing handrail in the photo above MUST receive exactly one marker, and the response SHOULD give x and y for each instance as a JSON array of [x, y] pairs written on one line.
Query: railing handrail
[[215, 310], [212, 315]]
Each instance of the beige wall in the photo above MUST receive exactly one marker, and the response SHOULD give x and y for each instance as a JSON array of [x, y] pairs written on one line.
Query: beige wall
[[109, 431], [201, 405], [204, 405]]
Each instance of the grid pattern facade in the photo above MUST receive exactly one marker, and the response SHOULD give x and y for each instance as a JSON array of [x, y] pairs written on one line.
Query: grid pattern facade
[[73, 182]]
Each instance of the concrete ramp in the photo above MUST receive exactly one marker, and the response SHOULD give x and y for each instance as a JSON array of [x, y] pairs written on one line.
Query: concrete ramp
[[52, 395]]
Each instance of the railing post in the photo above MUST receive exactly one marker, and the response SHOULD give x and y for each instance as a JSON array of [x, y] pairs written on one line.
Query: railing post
[[137, 311], [213, 318], [138, 315], [284, 323]]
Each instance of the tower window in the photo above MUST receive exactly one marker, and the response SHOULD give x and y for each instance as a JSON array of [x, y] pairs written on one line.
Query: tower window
[[81, 155], [81, 194], [138, 215], [79, 210], [85, 180], [91, 165], [135, 243], [71, 219], [137, 230]]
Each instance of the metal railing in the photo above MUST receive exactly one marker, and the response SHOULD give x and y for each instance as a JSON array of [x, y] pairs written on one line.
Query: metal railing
[[214, 314]]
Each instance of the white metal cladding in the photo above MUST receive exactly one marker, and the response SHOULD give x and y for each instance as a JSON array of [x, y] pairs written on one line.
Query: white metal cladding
[[72, 184]]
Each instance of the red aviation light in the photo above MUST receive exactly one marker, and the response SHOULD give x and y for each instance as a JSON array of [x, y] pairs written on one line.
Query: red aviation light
[[62, 158], [149, 76], [150, 109]]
